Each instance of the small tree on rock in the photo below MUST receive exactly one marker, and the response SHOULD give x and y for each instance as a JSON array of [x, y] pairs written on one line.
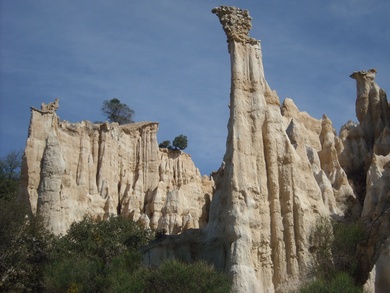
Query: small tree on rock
[[115, 111], [180, 142], [165, 144]]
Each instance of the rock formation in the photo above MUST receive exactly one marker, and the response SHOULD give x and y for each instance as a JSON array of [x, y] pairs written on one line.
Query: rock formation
[[283, 170], [366, 155], [280, 175], [75, 169]]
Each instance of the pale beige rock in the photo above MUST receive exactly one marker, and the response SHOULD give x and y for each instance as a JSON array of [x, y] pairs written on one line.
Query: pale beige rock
[[51, 107], [372, 109], [344, 196], [75, 169], [365, 156], [282, 170], [271, 187]]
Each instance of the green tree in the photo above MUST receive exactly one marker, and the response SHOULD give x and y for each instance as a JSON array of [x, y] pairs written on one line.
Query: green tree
[[104, 256], [92, 247], [24, 242], [165, 144], [180, 142], [115, 111], [9, 174], [334, 246]]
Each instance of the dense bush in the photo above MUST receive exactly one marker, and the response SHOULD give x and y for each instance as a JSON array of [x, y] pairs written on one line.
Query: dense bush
[[92, 247], [103, 256], [175, 276], [24, 247], [334, 246], [341, 282], [346, 238], [23, 240]]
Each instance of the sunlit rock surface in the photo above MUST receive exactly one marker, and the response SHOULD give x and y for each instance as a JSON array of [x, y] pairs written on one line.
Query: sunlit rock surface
[[75, 169], [254, 217]]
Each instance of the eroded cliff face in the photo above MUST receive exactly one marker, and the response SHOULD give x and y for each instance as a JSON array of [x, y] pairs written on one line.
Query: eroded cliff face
[[366, 156], [280, 174], [283, 170], [75, 169]]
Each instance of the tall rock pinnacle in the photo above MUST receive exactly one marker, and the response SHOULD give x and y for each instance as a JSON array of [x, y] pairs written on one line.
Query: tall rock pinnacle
[[270, 184]]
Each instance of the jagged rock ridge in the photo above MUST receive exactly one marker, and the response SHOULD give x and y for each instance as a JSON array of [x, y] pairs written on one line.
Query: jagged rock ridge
[[75, 169]]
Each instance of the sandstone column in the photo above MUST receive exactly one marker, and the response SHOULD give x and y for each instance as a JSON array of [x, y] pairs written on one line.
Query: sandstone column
[[267, 199], [243, 185]]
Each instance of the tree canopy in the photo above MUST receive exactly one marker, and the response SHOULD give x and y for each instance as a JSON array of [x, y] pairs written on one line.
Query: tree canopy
[[115, 111], [180, 142], [165, 144]]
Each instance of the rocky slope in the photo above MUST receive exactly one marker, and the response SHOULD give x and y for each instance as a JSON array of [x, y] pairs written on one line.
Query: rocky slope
[[75, 169], [283, 170]]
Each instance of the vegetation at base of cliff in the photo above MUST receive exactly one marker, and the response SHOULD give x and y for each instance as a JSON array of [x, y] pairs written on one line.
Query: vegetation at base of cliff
[[94, 256], [334, 246], [9, 175], [103, 256], [24, 242], [341, 282]]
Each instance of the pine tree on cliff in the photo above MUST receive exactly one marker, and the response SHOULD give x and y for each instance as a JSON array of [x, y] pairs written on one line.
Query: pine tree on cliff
[[115, 111]]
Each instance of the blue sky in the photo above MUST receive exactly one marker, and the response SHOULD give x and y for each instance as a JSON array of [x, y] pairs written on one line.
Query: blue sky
[[168, 61]]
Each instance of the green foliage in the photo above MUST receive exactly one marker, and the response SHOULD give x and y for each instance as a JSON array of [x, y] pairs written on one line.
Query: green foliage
[[175, 276], [115, 111], [24, 242], [334, 246], [9, 175], [180, 142], [102, 239], [72, 273], [24, 245], [321, 239], [103, 257], [342, 282], [346, 238], [165, 144], [94, 256], [93, 246]]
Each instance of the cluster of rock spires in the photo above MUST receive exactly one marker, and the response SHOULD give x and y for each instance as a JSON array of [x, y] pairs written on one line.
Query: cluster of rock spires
[[253, 218]]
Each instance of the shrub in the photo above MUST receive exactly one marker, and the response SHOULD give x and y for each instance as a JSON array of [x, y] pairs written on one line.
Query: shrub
[[165, 144], [334, 246], [175, 276], [95, 249], [346, 238], [341, 282], [24, 242], [321, 240]]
